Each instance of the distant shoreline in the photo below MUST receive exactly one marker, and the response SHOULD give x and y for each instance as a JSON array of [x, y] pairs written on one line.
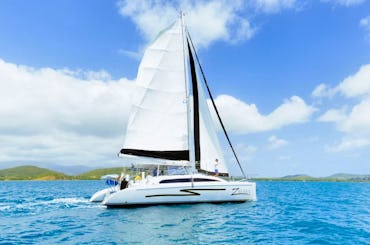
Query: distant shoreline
[[310, 180], [29, 172], [257, 180]]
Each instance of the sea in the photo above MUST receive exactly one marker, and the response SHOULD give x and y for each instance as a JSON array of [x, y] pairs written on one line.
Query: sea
[[58, 212]]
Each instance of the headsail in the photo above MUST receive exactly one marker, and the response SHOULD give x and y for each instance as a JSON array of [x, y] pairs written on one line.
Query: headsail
[[158, 125], [206, 144], [210, 149]]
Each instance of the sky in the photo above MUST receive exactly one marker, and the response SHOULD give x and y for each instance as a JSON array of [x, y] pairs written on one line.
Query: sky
[[291, 79]]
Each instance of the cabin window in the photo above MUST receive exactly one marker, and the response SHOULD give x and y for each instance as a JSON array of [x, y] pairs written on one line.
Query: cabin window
[[183, 180], [204, 180], [174, 181]]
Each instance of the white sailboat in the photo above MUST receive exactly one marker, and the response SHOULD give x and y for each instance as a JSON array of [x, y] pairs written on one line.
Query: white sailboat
[[170, 128]]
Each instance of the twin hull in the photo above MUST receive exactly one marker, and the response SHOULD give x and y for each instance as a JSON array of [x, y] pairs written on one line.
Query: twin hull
[[182, 193]]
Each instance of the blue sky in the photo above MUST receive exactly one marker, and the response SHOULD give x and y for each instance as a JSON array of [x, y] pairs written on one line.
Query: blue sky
[[292, 79]]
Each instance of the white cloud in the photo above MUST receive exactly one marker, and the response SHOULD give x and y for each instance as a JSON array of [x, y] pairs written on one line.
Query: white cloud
[[207, 21], [273, 6], [358, 121], [349, 144], [78, 117], [243, 118], [323, 90], [333, 115], [275, 142], [353, 122], [131, 54], [60, 113], [346, 3], [357, 84], [365, 24]]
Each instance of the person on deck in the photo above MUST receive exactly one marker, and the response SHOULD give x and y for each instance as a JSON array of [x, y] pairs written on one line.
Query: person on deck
[[216, 167], [155, 172], [138, 177]]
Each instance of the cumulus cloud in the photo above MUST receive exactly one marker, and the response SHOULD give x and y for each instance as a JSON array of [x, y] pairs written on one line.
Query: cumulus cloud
[[273, 6], [353, 121], [349, 144], [275, 142], [333, 115], [357, 84], [346, 3], [358, 121], [62, 112], [78, 117], [323, 90], [240, 117], [220, 19]]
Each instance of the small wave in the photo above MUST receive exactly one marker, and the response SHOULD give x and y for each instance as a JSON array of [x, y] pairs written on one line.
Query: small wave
[[2, 208], [67, 200]]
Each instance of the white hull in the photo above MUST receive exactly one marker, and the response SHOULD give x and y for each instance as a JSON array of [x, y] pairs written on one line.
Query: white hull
[[100, 195], [153, 192]]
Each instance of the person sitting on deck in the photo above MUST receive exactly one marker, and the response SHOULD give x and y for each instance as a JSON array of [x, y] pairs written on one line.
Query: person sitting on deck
[[138, 177], [124, 183], [216, 167]]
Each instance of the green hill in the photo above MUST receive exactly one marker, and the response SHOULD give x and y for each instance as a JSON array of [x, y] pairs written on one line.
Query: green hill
[[331, 178], [298, 177], [349, 177], [30, 173], [97, 173]]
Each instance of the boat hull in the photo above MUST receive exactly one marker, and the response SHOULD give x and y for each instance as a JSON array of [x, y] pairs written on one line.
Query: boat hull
[[100, 195], [184, 193]]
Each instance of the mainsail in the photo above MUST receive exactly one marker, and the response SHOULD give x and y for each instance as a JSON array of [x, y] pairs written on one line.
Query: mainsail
[[158, 124]]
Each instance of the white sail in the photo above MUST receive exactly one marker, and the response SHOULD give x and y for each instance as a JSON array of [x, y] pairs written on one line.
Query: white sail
[[210, 148], [158, 119]]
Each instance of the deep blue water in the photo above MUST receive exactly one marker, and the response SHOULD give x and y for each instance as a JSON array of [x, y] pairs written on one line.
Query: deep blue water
[[50, 212]]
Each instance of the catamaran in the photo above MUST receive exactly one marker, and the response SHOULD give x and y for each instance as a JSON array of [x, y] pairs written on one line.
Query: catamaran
[[171, 132]]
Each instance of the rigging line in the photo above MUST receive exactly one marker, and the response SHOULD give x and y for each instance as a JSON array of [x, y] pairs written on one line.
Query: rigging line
[[214, 105]]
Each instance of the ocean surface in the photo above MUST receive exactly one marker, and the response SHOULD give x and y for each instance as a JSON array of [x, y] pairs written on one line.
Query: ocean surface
[[58, 212]]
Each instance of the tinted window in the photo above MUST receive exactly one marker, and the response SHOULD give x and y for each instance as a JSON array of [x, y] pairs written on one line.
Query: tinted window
[[203, 180], [185, 180], [174, 181]]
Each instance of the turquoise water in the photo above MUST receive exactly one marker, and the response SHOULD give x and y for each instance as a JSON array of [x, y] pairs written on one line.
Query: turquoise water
[[50, 212]]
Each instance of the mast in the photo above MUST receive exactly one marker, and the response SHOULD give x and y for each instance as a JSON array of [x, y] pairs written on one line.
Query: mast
[[187, 89]]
